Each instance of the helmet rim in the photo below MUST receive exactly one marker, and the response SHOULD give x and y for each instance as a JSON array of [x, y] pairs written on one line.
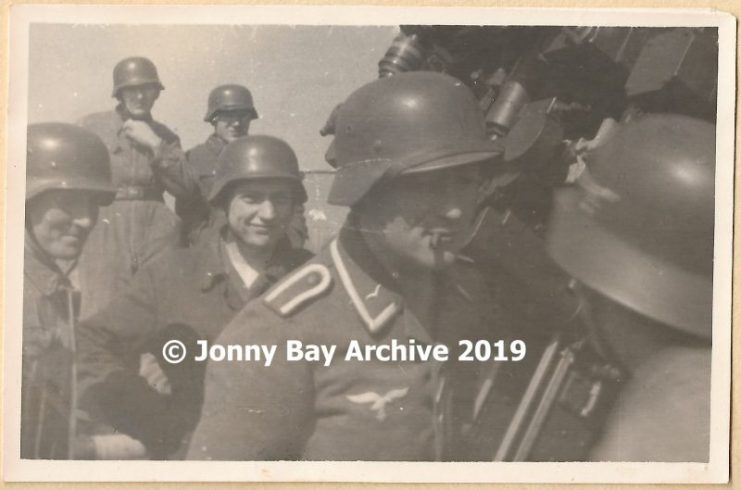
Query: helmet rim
[[605, 262]]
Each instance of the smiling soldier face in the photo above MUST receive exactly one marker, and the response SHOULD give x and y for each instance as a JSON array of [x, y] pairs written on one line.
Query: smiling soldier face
[[260, 210], [61, 220]]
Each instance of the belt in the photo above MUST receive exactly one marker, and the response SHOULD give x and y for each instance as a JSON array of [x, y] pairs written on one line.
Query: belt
[[138, 193]]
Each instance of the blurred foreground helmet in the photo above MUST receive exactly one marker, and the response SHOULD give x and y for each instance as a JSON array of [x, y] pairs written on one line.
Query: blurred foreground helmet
[[229, 98], [132, 72], [256, 157], [64, 156], [639, 226], [411, 122]]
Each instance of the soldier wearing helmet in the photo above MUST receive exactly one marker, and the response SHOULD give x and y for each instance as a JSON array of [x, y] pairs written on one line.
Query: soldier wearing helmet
[[138, 226], [68, 177], [189, 295], [409, 150], [637, 233], [230, 111]]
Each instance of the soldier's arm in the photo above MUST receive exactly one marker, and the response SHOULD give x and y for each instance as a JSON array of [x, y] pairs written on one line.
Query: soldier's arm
[[112, 391], [169, 162], [175, 172], [106, 338], [252, 411], [171, 165]]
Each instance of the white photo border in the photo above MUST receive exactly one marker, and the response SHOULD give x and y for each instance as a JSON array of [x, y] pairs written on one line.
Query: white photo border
[[15, 469]]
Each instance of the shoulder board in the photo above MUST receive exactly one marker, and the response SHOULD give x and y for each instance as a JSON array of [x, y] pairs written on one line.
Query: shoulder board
[[295, 290]]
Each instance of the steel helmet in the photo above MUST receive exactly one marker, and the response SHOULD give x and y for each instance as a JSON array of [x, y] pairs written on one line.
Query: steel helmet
[[64, 156], [411, 122], [638, 227], [229, 98], [135, 71], [256, 157]]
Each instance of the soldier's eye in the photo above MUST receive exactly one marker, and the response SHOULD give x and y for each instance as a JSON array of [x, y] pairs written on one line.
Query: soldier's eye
[[281, 199], [251, 198]]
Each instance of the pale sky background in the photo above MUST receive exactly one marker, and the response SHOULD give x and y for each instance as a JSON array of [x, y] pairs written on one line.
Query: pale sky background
[[296, 75]]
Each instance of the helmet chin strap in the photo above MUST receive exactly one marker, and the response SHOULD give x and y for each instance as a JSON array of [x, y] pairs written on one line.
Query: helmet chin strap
[[594, 333], [51, 262]]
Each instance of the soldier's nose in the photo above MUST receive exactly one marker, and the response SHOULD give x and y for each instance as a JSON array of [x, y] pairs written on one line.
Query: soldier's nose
[[454, 213], [267, 210], [85, 222]]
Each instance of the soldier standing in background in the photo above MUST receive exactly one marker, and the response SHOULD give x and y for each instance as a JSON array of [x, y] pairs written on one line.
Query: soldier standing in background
[[138, 226], [230, 111], [190, 294], [409, 151], [637, 233]]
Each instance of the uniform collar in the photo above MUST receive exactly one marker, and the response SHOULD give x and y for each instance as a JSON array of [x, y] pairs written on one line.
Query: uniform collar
[[371, 289], [374, 292], [216, 266], [40, 270]]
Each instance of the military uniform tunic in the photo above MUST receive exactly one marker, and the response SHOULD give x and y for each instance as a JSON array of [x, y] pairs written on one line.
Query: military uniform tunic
[[49, 309], [187, 294], [137, 226], [349, 410]]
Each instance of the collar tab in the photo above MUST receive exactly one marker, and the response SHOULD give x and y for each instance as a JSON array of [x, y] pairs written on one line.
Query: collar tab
[[375, 304]]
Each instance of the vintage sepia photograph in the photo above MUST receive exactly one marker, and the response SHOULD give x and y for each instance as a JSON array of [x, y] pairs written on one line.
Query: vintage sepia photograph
[[368, 244]]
